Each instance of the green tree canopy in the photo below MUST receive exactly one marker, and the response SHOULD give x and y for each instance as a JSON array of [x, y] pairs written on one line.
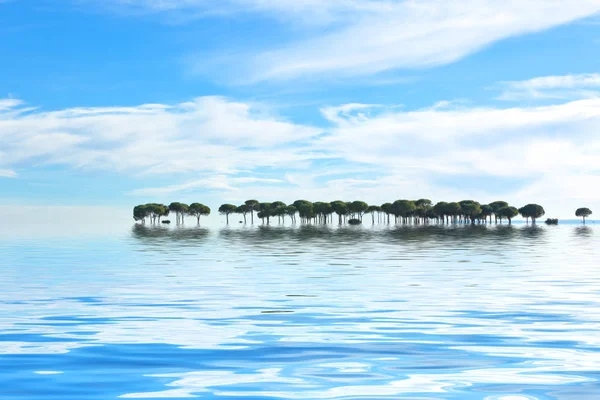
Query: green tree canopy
[[533, 211], [403, 208], [227, 209], [583, 213], [197, 210], [507, 212], [358, 208]]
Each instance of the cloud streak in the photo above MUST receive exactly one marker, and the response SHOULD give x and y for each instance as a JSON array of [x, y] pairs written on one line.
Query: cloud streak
[[553, 87], [350, 38], [388, 35], [208, 134]]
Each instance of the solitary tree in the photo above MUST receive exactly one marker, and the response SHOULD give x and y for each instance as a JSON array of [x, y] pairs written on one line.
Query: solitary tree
[[533, 211], [227, 209], [252, 206], [197, 210], [583, 213]]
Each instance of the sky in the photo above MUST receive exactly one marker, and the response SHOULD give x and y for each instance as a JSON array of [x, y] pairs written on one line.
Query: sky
[[112, 103]]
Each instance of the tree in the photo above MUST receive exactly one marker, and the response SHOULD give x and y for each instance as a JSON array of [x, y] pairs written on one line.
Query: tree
[[180, 209], [197, 210], [140, 213], [264, 210], [291, 212], [441, 210], [387, 208], [156, 211], [403, 208], [507, 212], [533, 211], [252, 206], [372, 210], [305, 209], [227, 209], [470, 209], [424, 207], [583, 213], [340, 208], [487, 211], [242, 209], [497, 206], [453, 209], [358, 208], [277, 210]]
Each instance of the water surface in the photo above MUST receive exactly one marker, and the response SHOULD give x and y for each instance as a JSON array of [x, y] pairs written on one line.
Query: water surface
[[495, 313]]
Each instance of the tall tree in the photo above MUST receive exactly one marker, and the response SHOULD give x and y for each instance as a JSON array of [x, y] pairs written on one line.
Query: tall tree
[[387, 208], [265, 211], [340, 208], [583, 213], [372, 210], [291, 212], [277, 209], [197, 210], [507, 212], [403, 209], [141, 212], [497, 206], [533, 211], [242, 209], [227, 209], [252, 206], [358, 208], [470, 210]]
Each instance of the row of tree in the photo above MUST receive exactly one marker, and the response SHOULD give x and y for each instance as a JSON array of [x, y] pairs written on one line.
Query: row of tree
[[154, 212], [417, 212]]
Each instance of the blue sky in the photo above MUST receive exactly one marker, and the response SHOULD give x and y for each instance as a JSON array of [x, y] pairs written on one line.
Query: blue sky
[[114, 102]]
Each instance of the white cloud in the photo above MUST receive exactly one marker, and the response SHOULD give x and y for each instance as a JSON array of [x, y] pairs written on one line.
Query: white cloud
[[6, 104], [364, 37], [553, 87], [410, 34], [209, 134], [7, 173]]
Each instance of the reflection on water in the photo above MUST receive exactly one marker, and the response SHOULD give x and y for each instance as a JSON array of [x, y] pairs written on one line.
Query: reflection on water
[[304, 312]]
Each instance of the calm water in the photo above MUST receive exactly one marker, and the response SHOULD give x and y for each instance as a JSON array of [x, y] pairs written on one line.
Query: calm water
[[495, 313]]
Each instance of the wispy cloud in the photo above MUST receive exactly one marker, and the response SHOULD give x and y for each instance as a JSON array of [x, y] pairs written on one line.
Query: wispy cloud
[[409, 34], [553, 87], [209, 134], [350, 38], [7, 173]]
